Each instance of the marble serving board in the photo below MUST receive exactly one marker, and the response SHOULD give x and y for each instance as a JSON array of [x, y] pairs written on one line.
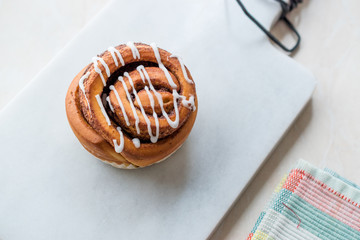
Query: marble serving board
[[249, 94]]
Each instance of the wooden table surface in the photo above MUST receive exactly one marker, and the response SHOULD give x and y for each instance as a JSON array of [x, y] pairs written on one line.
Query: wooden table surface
[[327, 133]]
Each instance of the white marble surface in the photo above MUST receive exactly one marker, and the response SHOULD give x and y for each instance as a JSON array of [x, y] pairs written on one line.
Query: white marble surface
[[326, 134]]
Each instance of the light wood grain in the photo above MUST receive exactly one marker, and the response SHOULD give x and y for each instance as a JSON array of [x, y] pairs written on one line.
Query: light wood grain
[[32, 33], [327, 133]]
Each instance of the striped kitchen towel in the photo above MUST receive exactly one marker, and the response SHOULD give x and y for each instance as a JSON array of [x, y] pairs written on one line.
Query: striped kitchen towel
[[311, 204]]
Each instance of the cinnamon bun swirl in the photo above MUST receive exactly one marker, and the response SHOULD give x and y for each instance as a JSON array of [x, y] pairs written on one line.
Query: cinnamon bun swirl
[[133, 106]]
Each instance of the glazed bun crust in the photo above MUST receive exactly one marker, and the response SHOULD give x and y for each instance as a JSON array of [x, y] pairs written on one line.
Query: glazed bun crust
[[132, 111]]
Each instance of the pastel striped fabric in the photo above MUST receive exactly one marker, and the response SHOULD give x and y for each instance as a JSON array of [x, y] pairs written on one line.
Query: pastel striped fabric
[[311, 204]]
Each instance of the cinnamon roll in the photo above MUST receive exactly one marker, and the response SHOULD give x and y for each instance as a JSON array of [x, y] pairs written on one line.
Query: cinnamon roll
[[133, 106]]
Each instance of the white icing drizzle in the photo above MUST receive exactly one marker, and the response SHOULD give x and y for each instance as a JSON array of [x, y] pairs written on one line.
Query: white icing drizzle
[[119, 147], [183, 68], [153, 138], [112, 51], [190, 104], [110, 105], [152, 103], [98, 70], [103, 109], [136, 142], [161, 65], [143, 73], [175, 123], [82, 87], [140, 69], [131, 103], [112, 88], [134, 50]]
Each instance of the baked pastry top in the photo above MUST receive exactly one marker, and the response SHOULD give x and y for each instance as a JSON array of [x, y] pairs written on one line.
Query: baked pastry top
[[133, 106]]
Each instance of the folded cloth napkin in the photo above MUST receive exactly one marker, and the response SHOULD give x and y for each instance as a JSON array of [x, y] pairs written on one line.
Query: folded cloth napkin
[[311, 204]]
